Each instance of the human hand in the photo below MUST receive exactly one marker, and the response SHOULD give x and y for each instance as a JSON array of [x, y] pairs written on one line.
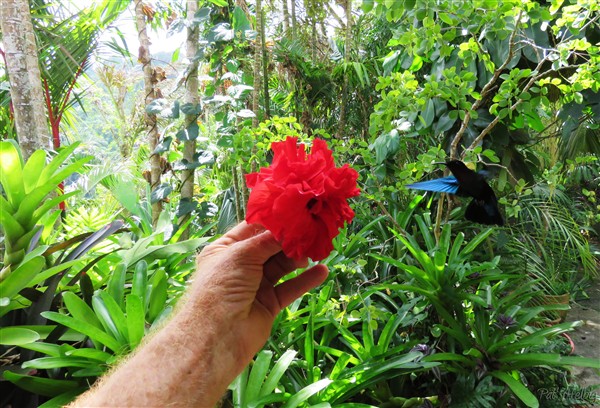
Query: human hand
[[236, 284]]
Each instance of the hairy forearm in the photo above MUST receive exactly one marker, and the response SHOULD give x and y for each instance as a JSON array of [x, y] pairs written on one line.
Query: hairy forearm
[[182, 352]]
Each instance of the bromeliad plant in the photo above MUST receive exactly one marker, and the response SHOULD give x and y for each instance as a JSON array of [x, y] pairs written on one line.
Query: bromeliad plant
[[27, 187], [481, 326]]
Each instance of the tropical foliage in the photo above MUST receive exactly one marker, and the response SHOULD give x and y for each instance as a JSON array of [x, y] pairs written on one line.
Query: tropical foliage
[[421, 308]]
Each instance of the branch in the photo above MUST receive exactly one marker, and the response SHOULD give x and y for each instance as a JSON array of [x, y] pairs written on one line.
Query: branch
[[513, 178], [514, 106], [486, 89]]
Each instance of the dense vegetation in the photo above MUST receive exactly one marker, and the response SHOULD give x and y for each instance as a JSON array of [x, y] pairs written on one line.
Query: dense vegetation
[[422, 308]]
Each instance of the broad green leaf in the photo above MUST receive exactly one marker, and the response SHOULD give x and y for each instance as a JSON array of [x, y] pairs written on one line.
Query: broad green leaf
[[150, 253], [85, 328], [158, 296], [116, 284], [367, 5], [257, 375], [277, 372], [240, 21], [31, 211], [57, 161], [16, 336], [11, 227], [191, 132], [11, 173], [202, 15], [91, 354], [305, 393], [163, 146], [475, 242], [33, 170], [46, 363], [136, 321], [49, 272], [161, 192], [50, 349], [193, 109], [63, 399], [80, 310], [111, 316], [140, 280], [42, 386], [21, 277], [517, 388]]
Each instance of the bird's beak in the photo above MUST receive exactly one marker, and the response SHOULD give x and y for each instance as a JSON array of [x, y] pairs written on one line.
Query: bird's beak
[[444, 163]]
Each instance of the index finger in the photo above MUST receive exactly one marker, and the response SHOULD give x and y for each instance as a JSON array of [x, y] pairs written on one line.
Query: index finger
[[240, 232]]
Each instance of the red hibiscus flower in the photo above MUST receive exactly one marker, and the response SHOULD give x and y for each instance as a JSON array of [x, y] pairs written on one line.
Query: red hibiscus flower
[[302, 198]]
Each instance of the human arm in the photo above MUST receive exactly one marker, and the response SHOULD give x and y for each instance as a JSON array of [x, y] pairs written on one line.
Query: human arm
[[221, 323]]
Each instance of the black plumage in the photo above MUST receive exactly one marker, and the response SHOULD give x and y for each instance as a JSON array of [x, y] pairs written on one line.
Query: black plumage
[[464, 182]]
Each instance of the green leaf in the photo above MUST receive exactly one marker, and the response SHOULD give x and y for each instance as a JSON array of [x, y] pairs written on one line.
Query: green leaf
[[219, 3], [163, 146], [21, 277], [91, 354], [16, 336], [63, 399], [11, 173], [57, 161], [193, 109], [85, 328], [257, 375], [31, 211], [136, 321], [161, 192], [158, 296], [42, 386], [517, 388], [277, 372], [220, 32], [367, 5], [202, 15], [33, 170], [240, 21], [157, 106], [111, 316], [305, 393], [116, 284], [390, 62], [444, 123], [139, 252], [46, 363], [140, 280], [428, 113], [80, 310], [446, 18], [11, 227]]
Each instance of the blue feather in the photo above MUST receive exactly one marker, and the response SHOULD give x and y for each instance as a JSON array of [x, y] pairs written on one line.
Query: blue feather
[[442, 185]]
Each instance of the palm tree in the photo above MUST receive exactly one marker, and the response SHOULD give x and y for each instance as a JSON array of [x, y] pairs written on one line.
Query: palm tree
[[24, 75]]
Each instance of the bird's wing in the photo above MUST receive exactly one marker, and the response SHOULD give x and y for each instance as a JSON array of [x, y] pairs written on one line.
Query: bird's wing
[[442, 185]]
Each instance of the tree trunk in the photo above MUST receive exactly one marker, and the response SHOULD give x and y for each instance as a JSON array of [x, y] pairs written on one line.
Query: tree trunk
[[257, 61], [150, 94], [347, 51], [27, 95], [191, 97], [265, 65], [294, 19], [286, 18]]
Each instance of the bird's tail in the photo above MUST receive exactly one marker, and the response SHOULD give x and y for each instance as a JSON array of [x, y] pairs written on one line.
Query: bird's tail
[[484, 212]]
